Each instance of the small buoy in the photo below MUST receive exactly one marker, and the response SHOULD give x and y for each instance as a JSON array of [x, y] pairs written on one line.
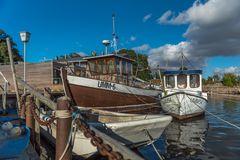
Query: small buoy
[[7, 126], [16, 131]]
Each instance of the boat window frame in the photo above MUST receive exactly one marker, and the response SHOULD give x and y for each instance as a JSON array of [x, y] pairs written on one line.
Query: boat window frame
[[197, 81], [167, 80], [184, 85]]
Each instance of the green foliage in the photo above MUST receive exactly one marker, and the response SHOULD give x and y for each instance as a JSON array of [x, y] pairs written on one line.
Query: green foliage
[[209, 80], [230, 79], [4, 58], [141, 68], [216, 78]]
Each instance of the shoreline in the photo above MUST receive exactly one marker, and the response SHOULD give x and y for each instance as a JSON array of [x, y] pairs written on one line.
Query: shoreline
[[225, 95]]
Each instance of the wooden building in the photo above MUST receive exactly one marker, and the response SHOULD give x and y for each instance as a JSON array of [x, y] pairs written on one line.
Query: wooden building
[[38, 75]]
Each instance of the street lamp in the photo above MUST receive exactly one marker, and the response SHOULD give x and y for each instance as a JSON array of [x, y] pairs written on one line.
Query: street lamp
[[25, 36]]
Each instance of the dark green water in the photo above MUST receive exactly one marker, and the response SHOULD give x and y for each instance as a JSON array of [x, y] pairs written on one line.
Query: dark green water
[[202, 138]]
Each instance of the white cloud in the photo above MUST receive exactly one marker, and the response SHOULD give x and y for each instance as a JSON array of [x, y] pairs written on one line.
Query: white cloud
[[213, 31], [143, 47], [232, 69], [147, 17], [81, 54], [133, 38]]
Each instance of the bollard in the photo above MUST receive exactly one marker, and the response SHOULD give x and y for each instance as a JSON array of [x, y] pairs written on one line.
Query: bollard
[[29, 118], [63, 130]]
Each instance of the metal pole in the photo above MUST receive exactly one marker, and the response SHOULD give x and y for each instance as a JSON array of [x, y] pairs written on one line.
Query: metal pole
[[24, 65]]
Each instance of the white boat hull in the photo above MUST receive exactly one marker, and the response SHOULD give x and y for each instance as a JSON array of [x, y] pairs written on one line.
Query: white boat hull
[[126, 132], [183, 105]]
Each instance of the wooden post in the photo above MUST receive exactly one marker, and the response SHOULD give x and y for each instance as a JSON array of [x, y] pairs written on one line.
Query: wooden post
[[63, 131], [30, 123], [13, 70], [37, 129]]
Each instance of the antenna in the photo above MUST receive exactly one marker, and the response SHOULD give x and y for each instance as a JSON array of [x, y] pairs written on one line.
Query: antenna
[[114, 36]]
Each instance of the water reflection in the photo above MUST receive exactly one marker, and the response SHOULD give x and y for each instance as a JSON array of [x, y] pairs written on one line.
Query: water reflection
[[185, 138]]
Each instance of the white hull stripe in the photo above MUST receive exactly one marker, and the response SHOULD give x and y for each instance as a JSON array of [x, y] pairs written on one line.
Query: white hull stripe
[[98, 84]]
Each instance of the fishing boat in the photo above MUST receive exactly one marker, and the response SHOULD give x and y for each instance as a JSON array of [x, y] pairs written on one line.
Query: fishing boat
[[183, 97], [128, 129], [107, 82]]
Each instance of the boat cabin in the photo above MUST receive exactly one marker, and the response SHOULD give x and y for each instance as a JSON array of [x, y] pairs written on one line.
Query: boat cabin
[[112, 67], [183, 80]]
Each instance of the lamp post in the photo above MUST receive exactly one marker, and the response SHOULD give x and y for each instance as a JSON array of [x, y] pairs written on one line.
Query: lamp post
[[25, 36]]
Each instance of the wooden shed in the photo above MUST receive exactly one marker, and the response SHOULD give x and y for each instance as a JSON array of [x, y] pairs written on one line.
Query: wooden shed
[[38, 75]]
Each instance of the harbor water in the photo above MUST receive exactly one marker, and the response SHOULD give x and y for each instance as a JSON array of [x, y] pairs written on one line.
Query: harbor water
[[203, 138]]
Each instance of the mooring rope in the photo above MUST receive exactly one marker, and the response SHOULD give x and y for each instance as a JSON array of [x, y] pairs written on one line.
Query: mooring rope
[[219, 118], [62, 114], [72, 129], [152, 143]]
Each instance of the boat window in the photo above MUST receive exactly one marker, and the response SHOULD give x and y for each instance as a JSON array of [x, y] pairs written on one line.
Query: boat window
[[100, 64], [194, 81], [170, 82], [182, 81], [124, 67], [104, 67], [118, 66], [129, 68], [111, 68], [93, 66]]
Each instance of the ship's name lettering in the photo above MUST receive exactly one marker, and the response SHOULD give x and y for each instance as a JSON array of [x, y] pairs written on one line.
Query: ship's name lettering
[[107, 85], [167, 100], [196, 100]]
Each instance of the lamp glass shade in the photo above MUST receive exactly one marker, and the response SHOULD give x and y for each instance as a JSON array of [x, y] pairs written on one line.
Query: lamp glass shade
[[25, 36]]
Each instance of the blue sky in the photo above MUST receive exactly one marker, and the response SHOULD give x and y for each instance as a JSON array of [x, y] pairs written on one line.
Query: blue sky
[[63, 26]]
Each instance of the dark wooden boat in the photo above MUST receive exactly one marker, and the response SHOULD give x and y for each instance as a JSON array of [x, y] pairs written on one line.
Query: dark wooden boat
[[106, 82]]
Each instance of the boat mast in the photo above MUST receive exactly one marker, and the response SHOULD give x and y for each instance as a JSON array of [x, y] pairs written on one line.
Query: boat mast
[[114, 36]]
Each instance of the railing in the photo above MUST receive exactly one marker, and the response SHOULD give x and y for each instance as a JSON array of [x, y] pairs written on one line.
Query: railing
[[64, 114], [4, 89]]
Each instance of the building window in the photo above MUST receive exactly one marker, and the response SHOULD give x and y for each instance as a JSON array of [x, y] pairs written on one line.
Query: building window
[[170, 82], [182, 81], [194, 81]]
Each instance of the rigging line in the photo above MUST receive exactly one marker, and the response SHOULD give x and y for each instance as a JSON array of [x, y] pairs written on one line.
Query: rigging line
[[219, 118], [152, 143], [188, 61]]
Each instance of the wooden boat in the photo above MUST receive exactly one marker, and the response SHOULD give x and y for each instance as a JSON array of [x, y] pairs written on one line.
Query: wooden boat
[[106, 82], [183, 96], [128, 129]]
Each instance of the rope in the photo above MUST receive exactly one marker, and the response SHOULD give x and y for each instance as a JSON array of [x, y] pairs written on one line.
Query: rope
[[62, 114], [70, 140], [151, 141], [219, 118]]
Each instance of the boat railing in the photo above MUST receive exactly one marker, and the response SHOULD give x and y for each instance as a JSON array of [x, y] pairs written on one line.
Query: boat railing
[[125, 79], [4, 89]]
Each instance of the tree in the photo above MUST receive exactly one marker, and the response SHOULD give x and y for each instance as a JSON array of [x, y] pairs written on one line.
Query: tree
[[216, 78], [4, 58], [141, 67], [229, 79]]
